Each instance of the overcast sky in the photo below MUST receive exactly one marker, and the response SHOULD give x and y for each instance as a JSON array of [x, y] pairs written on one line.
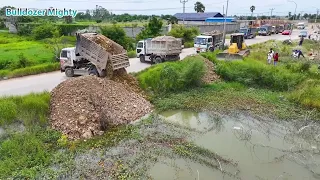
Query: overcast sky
[[281, 7]]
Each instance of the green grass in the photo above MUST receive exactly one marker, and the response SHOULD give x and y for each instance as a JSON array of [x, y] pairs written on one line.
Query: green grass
[[172, 76], [32, 109], [231, 97], [38, 69]]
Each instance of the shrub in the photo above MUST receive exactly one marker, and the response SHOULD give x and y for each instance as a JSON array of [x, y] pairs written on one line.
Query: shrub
[[187, 33], [8, 111], [173, 76], [132, 54], [118, 35], [188, 44], [43, 31], [254, 73], [307, 94], [24, 30]]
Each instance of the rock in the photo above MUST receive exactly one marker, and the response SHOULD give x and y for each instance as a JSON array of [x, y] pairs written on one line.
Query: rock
[[87, 135]]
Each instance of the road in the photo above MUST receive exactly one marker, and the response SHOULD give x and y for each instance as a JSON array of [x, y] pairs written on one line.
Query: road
[[48, 81]]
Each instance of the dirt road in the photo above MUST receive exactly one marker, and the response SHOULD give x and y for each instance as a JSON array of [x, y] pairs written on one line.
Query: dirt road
[[47, 81]]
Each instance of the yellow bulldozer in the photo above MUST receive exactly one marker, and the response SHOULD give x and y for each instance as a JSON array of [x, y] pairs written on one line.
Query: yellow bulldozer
[[237, 49]]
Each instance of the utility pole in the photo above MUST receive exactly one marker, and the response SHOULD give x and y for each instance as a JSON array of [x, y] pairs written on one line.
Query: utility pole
[[301, 14], [271, 12], [223, 10], [184, 7], [224, 25], [315, 21]]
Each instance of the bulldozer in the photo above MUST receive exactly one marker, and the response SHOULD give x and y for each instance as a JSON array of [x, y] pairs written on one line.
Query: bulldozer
[[237, 49]]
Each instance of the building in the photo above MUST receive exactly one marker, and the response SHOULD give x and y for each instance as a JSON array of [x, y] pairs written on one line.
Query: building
[[199, 17], [219, 20]]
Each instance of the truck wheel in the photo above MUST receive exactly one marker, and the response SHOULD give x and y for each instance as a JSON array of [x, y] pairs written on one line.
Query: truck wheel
[[142, 58], [69, 72], [157, 60], [93, 72]]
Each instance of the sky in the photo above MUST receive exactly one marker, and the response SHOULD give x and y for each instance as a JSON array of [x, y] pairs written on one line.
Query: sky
[[158, 7]]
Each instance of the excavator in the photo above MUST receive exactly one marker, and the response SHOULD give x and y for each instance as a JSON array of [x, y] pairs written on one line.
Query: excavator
[[237, 49]]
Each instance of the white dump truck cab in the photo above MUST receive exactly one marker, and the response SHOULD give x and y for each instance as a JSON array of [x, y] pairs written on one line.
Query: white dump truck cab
[[201, 43], [141, 47]]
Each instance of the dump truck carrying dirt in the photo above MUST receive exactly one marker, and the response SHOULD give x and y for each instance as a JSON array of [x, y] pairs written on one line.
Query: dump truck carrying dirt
[[94, 54], [86, 106]]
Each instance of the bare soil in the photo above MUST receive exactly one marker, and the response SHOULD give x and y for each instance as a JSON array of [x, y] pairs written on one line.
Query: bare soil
[[86, 106]]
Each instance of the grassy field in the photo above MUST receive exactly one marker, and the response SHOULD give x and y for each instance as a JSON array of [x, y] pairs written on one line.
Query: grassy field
[[21, 56]]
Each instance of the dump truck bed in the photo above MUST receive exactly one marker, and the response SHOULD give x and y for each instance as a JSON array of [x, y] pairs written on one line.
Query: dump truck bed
[[164, 45], [100, 50]]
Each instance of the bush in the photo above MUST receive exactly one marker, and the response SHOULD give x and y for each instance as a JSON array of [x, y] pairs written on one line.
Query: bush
[[188, 44], [24, 30], [307, 94], [132, 54], [43, 31], [187, 33], [173, 76], [38, 69], [118, 35], [254, 73]]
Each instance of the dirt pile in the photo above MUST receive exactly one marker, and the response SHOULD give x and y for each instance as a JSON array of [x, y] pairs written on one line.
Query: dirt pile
[[210, 76], [105, 42], [86, 106]]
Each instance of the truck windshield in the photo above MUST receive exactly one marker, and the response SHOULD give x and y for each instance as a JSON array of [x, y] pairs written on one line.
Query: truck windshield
[[243, 30], [140, 45], [201, 41], [262, 29]]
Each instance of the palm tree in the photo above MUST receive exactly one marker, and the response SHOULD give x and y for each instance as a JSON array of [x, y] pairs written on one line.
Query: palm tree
[[199, 7], [252, 8]]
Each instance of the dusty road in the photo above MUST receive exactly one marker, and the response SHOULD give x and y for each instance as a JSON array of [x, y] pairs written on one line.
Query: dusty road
[[47, 81]]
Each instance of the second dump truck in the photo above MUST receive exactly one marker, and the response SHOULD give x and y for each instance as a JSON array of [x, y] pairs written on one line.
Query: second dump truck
[[208, 41], [94, 54], [159, 49]]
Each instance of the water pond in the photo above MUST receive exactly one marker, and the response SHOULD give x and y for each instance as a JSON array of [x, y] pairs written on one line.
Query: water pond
[[259, 148]]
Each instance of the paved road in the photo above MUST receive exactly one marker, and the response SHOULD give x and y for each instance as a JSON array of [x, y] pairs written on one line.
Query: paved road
[[47, 81]]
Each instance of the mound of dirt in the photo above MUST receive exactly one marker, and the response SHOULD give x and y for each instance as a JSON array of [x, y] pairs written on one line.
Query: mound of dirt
[[86, 106], [210, 76], [105, 42]]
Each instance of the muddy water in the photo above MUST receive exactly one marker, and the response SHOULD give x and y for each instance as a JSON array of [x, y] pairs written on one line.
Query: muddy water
[[264, 149]]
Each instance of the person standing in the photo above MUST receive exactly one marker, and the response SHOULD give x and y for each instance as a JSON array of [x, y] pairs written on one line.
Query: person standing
[[275, 59], [269, 57], [301, 41]]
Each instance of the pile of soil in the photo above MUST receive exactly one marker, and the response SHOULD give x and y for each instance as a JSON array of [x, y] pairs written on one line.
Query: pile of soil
[[86, 106], [210, 76], [106, 43]]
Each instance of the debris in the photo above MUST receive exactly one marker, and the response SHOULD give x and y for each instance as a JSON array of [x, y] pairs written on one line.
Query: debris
[[109, 45], [210, 76], [82, 107]]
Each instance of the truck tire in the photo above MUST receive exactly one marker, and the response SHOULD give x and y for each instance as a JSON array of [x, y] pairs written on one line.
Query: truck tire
[[142, 58], [69, 72], [93, 71], [157, 60]]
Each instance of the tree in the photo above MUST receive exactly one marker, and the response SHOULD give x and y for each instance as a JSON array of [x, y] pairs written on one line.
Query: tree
[[187, 33], [152, 29], [199, 7], [68, 19], [252, 8], [118, 35], [305, 16]]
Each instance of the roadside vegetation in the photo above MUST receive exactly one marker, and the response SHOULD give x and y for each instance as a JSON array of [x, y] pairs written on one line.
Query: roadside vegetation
[[249, 86]]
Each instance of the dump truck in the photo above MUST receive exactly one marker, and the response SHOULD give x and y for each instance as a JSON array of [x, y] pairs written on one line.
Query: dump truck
[[159, 49], [208, 41], [94, 54], [249, 33]]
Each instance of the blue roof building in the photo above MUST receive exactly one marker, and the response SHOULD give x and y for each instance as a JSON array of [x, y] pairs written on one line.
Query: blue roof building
[[197, 16], [219, 19]]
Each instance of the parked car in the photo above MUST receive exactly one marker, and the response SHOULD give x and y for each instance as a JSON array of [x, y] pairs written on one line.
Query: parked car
[[303, 34], [286, 32]]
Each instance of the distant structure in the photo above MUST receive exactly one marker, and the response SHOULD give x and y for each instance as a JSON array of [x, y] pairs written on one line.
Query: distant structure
[[219, 20], [196, 17]]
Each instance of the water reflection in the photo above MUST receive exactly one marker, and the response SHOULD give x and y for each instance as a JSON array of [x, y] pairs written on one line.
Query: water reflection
[[263, 148]]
